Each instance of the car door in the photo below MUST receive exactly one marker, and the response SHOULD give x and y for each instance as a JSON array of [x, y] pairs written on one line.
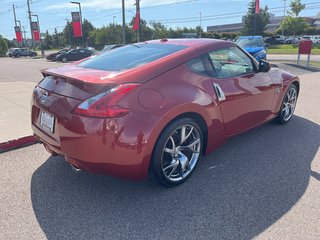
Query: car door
[[73, 55], [82, 54], [245, 95]]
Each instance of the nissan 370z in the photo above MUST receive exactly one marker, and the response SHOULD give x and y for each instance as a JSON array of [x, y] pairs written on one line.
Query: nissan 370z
[[157, 107]]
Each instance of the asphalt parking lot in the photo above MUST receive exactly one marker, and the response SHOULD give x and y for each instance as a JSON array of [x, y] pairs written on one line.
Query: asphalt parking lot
[[263, 184]]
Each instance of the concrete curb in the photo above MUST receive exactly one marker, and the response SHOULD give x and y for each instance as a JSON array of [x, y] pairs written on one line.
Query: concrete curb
[[17, 143]]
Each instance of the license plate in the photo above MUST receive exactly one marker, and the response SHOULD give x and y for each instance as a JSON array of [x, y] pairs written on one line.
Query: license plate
[[47, 121]]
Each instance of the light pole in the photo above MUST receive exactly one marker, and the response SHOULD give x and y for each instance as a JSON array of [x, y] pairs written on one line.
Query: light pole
[[79, 4], [114, 17], [123, 23], [138, 12], [29, 13], [284, 14], [42, 52]]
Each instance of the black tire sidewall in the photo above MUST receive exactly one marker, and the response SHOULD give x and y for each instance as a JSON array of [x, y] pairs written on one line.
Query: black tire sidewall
[[280, 118], [160, 144]]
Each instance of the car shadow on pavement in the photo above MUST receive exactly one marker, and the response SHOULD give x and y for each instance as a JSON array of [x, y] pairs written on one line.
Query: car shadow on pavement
[[236, 193]]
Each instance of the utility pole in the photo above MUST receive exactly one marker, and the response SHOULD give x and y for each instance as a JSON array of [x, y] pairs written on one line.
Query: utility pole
[[14, 15], [15, 19], [123, 23], [284, 14], [200, 24], [29, 13], [138, 12]]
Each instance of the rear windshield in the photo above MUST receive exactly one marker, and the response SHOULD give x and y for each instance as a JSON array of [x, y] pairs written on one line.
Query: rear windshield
[[130, 56], [250, 42]]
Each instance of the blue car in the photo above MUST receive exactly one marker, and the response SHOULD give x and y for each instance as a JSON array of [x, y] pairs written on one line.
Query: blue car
[[253, 45]]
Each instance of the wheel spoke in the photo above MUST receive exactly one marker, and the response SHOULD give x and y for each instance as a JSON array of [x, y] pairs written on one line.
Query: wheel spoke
[[172, 165], [173, 169], [191, 146], [185, 136], [168, 150]]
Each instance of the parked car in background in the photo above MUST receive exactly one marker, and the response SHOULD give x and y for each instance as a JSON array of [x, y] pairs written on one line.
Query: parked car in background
[[23, 52], [253, 45], [9, 52], [52, 56], [157, 106], [110, 47], [275, 40], [74, 55], [314, 38], [291, 40]]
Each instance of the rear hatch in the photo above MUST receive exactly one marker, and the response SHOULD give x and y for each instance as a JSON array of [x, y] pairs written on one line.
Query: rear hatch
[[59, 92]]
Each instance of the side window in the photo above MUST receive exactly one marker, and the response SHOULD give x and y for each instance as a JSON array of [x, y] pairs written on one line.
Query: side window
[[230, 62], [196, 65]]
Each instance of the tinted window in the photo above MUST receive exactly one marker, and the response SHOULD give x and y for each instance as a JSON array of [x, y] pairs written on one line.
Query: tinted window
[[230, 62], [196, 65], [250, 42], [73, 51], [130, 56]]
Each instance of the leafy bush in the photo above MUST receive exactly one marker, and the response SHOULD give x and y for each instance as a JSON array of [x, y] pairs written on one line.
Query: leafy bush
[[3, 46]]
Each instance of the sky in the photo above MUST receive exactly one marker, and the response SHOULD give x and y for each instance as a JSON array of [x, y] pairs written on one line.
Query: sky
[[172, 13]]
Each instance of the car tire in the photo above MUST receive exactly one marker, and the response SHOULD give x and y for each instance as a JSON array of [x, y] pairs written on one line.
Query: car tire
[[177, 152], [64, 60], [53, 59], [18, 55], [288, 105]]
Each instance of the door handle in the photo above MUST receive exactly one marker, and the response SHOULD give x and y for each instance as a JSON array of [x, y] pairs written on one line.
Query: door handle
[[220, 93]]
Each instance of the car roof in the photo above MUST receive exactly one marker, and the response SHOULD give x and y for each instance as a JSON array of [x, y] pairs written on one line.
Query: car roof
[[245, 37], [188, 42]]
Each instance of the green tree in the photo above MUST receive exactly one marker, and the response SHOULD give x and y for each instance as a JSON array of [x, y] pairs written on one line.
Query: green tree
[[159, 30], [255, 24], [146, 32], [293, 24], [48, 41], [3, 46], [87, 28], [56, 38], [296, 7]]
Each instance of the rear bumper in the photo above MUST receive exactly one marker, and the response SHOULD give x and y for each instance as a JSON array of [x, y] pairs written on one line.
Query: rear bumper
[[115, 147]]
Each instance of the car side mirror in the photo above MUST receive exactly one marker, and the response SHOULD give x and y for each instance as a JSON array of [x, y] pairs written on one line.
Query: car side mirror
[[264, 66], [267, 45]]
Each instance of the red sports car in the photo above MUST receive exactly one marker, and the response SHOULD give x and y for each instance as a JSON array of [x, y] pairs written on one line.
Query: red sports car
[[157, 107]]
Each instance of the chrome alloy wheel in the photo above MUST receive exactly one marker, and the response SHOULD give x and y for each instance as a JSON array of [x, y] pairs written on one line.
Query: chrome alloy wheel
[[289, 104], [181, 152]]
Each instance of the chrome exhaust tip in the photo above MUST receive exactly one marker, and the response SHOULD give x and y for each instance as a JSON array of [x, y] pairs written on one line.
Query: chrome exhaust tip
[[74, 168]]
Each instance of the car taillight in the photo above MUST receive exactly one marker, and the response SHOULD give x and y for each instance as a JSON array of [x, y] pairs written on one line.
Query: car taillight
[[106, 104]]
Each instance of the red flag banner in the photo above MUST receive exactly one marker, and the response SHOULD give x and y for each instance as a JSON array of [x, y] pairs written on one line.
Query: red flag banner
[[18, 34], [137, 21], [36, 36], [35, 31], [76, 24], [257, 6]]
